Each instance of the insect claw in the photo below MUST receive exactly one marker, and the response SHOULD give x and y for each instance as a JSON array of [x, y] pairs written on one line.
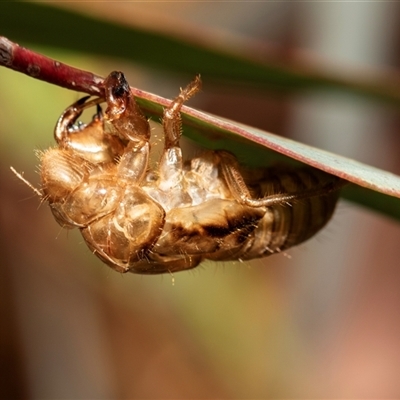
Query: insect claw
[[99, 114]]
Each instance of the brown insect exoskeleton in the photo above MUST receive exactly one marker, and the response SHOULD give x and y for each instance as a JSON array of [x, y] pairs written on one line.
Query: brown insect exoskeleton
[[175, 216]]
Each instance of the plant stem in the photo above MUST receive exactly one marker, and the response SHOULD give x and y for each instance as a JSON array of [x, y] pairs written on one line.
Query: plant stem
[[40, 67]]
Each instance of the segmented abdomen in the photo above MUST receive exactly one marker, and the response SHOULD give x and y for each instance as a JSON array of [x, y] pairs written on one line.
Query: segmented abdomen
[[288, 224]]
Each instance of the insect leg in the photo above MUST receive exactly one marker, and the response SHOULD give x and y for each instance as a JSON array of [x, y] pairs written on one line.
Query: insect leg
[[241, 193], [170, 168], [172, 122], [70, 116], [125, 116], [127, 121]]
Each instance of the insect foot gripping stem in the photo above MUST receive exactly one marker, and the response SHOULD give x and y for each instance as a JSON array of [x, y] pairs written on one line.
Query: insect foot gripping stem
[[174, 216]]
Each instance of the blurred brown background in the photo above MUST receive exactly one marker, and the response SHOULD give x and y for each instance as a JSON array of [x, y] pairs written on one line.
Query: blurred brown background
[[324, 322]]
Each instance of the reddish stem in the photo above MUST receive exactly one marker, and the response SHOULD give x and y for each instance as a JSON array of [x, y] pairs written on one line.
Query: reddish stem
[[41, 67]]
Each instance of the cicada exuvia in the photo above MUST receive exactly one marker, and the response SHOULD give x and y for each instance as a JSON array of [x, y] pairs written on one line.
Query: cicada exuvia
[[172, 217]]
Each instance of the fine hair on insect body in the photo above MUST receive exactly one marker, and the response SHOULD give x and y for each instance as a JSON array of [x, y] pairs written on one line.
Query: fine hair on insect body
[[171, 217]]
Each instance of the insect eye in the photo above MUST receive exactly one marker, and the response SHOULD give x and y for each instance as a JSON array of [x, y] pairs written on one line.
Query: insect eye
[[122, 87], [119, 91]]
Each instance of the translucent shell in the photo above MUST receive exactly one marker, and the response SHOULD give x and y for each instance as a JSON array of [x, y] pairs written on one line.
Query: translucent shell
[[123, 236], [62, 172], [174, 216]]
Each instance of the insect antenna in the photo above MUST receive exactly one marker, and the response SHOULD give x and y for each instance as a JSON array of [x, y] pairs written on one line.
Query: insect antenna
[[21, 177]]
